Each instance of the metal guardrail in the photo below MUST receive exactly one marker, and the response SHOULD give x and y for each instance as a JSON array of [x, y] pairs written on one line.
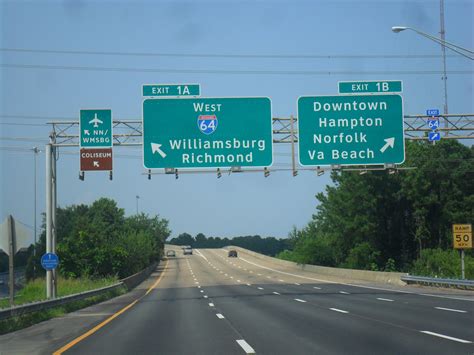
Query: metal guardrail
[[42, 305], [437, 281], [129, 282]]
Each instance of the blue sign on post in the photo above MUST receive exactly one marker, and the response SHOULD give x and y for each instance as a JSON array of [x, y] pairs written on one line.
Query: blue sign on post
[[434, 136], [49, 261], [432, 112]]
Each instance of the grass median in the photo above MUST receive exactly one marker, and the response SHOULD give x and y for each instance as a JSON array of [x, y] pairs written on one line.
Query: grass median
[[36, 291]]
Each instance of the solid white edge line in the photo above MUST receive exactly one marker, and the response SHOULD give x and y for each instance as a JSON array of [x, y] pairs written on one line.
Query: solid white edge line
[[385, 299], [360, 286], [338, 310], [244, 345], [220, 316], [302, 301], [451, 310], [446, 337]]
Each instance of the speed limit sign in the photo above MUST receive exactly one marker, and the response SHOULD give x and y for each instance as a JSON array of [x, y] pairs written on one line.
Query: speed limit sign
[[462, 236]]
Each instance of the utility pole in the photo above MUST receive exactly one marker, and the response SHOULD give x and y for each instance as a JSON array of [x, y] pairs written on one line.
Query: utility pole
[[11, 255], [137, 198], [443, 51]]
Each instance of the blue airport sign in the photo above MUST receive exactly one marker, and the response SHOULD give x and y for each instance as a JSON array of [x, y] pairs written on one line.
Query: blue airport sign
[[49, 261]]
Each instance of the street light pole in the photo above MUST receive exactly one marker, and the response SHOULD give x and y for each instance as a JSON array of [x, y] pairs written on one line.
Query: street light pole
[[444, 44], [137, 198]]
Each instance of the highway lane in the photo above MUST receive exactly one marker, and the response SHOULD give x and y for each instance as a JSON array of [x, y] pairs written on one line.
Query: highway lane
[[208, 303]]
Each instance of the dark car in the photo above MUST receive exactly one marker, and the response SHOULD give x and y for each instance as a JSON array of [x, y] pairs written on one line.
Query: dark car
[[232, 254]]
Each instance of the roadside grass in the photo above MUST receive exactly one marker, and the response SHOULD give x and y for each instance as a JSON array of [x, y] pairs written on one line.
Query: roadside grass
[[36, 291]]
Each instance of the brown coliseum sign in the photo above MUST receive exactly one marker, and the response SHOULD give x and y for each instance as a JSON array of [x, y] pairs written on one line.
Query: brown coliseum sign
[[96, 159]]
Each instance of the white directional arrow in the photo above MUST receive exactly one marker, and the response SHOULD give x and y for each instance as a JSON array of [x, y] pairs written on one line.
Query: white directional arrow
[[86, 131], [155, 147], [96, 164], [389, 142]]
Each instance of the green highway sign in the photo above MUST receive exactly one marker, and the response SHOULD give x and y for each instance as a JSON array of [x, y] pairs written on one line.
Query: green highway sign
[[172, 90], [363, 87], [351, 130], [207, 132], [95, 128]]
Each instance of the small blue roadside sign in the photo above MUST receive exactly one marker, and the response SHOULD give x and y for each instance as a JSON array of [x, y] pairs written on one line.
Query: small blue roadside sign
[[432, 112], [49, 261], [434, 136], [433, 124]]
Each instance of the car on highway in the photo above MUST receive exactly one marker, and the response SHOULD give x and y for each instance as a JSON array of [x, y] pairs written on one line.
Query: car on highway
[[232, 254], [170, 253], [188, 251]]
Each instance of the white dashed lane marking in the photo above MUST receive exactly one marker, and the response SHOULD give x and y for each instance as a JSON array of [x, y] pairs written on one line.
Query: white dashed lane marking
[[220, 316], [299, 300], [385, 299], [244, 345], [451, 310], [446, 337], [275, 293], [338, 310]]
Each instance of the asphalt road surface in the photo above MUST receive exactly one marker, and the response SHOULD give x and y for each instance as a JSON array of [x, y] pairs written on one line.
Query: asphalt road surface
[[208, 303]]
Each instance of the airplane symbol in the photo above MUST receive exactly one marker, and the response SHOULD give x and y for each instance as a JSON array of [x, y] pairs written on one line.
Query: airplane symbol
[[96, 121]]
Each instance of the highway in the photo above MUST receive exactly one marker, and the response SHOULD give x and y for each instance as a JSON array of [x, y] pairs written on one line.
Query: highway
[[208, 303]]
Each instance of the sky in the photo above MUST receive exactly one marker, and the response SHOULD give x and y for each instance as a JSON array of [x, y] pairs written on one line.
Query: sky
[[276, 49]]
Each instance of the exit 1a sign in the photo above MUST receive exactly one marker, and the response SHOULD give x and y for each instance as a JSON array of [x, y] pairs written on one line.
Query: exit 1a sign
[[364, 87], [351, 130], [166, 90], [95, 128], [207, 132]]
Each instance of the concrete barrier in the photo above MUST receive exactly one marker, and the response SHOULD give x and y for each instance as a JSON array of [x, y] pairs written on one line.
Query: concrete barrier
[[393, 278]]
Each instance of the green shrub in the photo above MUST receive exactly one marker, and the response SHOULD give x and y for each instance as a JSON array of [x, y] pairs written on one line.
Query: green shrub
[[443, 264]]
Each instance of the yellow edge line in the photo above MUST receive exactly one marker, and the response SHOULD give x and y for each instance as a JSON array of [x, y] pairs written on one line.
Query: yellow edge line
[[108, 320]]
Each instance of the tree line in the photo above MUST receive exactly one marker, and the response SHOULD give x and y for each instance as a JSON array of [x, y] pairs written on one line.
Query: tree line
[[268, 246], [400, 221], [99, 241]]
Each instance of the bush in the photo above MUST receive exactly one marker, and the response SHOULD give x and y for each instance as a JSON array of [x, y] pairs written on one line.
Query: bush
[[362, 256], [443, 264]]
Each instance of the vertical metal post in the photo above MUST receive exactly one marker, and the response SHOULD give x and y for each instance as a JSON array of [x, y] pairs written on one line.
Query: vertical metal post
[[443, 50], [462, 264], [49, 233], [53, 215], [292, 131], [35, 151], [11, 255]]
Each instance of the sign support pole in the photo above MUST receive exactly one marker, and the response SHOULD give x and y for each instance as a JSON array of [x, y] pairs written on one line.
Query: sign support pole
[[53, 214], [49, 275], [11, 243], [293, 161], [462, 264]]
